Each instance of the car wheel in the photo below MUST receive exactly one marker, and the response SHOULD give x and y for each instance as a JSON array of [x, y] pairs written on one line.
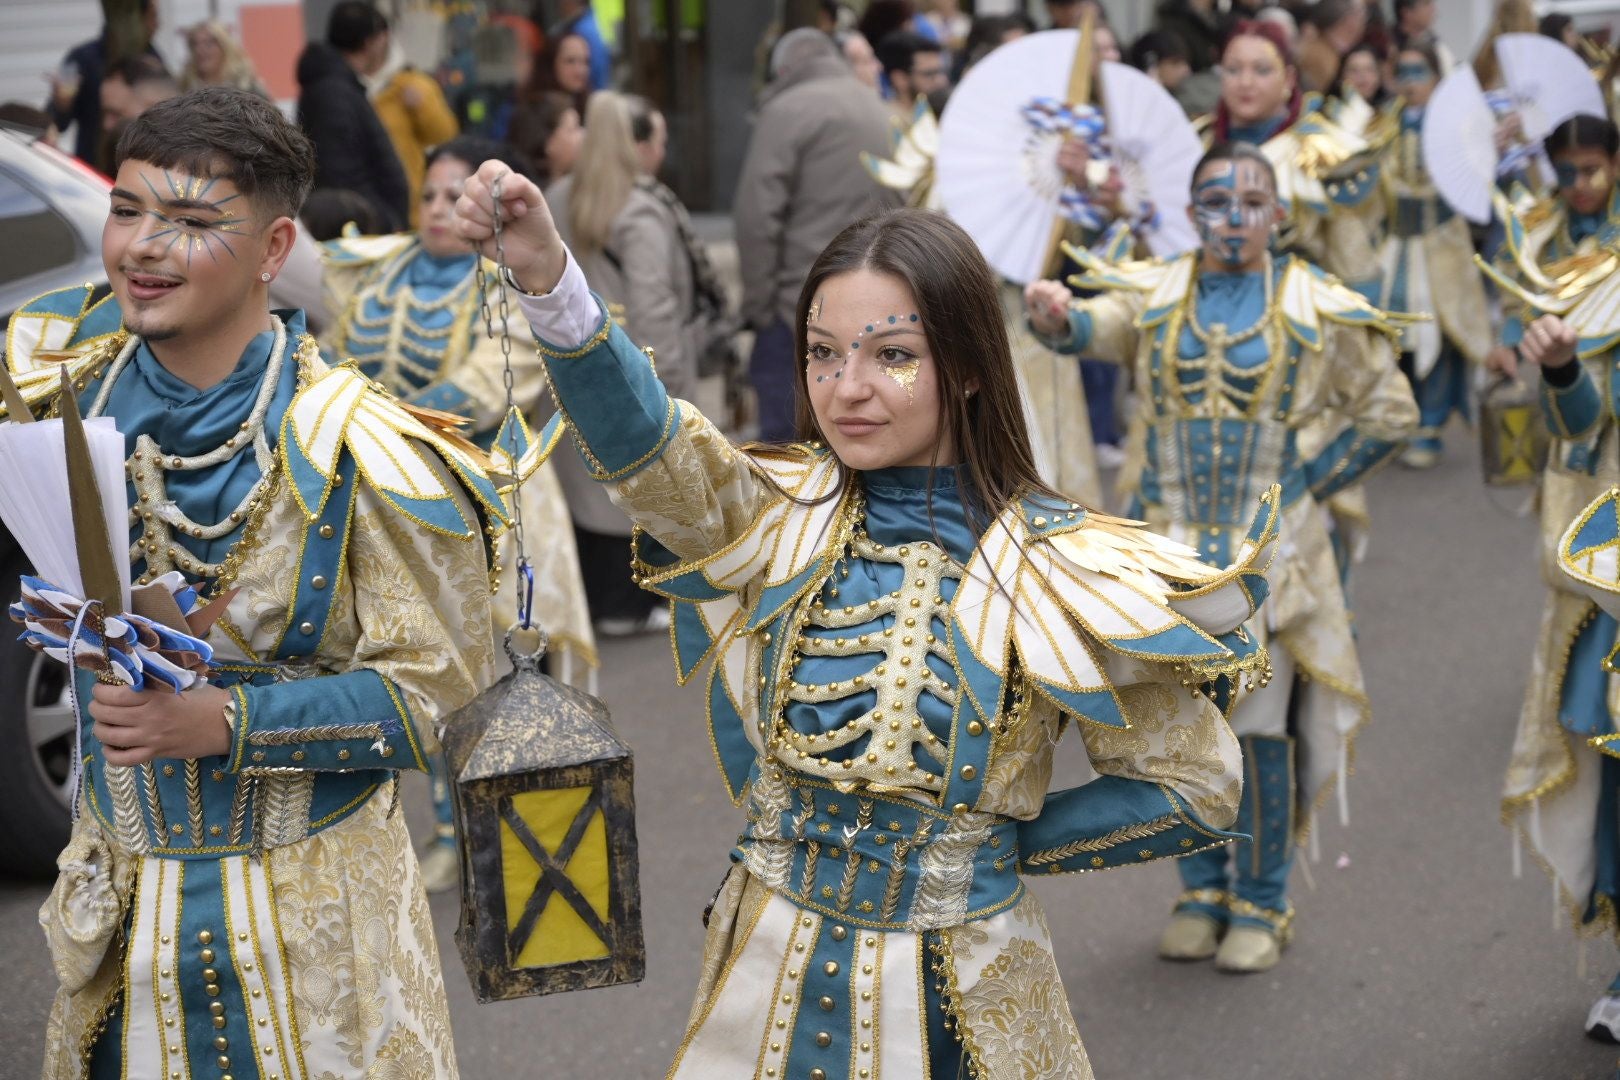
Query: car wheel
[[36, 750]]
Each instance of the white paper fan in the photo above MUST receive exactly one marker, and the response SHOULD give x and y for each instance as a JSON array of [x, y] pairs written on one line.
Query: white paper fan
[[1458, 150], [37, 509], [1548, 82], [1158, 151], [997, 175]]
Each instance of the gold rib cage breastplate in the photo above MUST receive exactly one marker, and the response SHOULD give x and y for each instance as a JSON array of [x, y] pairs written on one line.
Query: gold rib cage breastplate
[[885, 743]]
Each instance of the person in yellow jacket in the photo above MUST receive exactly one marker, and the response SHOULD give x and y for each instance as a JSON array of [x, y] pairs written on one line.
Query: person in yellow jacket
[[416, 115]]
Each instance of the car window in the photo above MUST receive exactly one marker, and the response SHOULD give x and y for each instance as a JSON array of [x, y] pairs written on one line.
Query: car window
[[37, 238]]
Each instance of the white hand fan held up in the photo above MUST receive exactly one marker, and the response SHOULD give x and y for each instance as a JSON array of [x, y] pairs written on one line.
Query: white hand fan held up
[[1546, 84], [997, 174]]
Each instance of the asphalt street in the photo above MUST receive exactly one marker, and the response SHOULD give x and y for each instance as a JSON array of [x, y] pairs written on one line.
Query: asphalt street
[[1418, 957]]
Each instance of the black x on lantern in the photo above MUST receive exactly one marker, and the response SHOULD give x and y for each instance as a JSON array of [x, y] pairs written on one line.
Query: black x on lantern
[[545, 809]]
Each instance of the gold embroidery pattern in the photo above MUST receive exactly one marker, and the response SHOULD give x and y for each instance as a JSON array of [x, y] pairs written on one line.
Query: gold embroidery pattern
[[1124, 834], [294, 736]]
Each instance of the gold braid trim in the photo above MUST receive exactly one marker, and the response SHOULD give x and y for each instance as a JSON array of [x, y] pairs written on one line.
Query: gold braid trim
[[149, 781], [1213, 897], [1124, 834], [950, 996], [194, 806], [294, 736], [1281, 922], [595, 341]]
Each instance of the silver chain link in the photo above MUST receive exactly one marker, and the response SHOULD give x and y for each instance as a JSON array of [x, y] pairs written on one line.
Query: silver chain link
[[524, 574]]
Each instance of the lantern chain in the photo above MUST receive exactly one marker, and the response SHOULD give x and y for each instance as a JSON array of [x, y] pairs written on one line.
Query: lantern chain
[[525, 570]]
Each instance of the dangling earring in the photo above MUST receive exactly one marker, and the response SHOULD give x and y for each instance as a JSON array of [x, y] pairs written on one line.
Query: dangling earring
[[265, 277]]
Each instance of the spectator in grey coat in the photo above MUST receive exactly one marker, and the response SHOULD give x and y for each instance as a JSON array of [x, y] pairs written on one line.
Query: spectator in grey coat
[[802, 182]]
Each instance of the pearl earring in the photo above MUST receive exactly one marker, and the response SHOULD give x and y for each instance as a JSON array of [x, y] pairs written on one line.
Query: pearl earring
[[265, 277]]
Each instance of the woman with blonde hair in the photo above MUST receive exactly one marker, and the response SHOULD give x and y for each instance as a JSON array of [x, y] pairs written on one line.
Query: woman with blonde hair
[[216, 58], [633, 240]]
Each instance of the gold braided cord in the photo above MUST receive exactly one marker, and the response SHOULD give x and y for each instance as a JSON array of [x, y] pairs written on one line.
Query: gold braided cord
[[294, 736], [1140, 830], [596, 341]]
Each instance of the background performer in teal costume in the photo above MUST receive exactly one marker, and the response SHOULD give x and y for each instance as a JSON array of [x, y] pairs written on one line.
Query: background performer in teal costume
[[238, 863], [1562, 794], [407, 310], [1429, 268], [900, 620], [1234, 356]]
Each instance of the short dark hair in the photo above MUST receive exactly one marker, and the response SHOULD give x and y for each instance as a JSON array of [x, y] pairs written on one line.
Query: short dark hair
[[1325, 14], [352, 24], [1584, 132], [1423, 45], [140, 69], [474, 150], [1154, 47], [898, 50], [1235, 152], [1554, 25], [328, 211], [219, 132]]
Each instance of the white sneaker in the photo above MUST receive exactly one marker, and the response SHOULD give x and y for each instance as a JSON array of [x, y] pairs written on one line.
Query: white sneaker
[[441, 868], [1109, 456], [1603, 1022]]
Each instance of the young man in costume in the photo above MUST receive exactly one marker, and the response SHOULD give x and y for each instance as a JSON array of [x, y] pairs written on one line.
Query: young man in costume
[[1234, 355], [239, 896], [1563, 782]]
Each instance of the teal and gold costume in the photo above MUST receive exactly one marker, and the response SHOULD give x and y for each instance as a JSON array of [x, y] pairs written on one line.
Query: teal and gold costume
[[1563, 782], [260, 913], [888, 724], [1329, 173], [1428, 266], [1230, 369], [412, 321]]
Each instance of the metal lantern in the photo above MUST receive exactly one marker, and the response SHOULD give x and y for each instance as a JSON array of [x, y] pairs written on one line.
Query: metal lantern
[[1513, 440], [545, 809]]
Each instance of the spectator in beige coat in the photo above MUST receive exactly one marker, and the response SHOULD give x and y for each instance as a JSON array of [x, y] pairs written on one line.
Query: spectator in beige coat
[[802, 182], [626, 236]]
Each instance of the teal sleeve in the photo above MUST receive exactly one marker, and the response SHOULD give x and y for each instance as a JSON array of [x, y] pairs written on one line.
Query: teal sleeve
[[1512, 331], [1574, 409], [1110, 822], [1344, 461], [612, 401], [1070, 344], [357, 720]]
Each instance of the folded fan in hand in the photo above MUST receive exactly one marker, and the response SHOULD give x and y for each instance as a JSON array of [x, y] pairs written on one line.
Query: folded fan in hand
[[62, 496]]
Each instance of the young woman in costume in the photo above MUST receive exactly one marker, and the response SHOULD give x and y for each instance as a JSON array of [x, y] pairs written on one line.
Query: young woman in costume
[[1428, 266], [407, 311], [900, 618], [1327, 171], [1234, 353], [1563, 783]]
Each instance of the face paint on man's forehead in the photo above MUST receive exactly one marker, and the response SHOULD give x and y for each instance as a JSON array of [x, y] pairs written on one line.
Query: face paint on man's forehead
[[1221, 174], [1251, 176]]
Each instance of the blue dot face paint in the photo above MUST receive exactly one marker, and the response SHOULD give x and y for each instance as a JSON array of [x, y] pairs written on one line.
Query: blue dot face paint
[[898, 361]]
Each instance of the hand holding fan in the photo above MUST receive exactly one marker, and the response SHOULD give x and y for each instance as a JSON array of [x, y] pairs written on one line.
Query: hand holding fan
[[997, 171]]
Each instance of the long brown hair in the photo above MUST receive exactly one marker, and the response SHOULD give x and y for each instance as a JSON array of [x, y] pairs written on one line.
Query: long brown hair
[[961, 318]]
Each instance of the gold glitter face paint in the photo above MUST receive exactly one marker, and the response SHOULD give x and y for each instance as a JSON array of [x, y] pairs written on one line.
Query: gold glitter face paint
[[905, 373]]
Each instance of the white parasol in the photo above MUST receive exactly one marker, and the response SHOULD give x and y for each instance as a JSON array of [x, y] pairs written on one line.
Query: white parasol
[[997, 171], [1544, 81]]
